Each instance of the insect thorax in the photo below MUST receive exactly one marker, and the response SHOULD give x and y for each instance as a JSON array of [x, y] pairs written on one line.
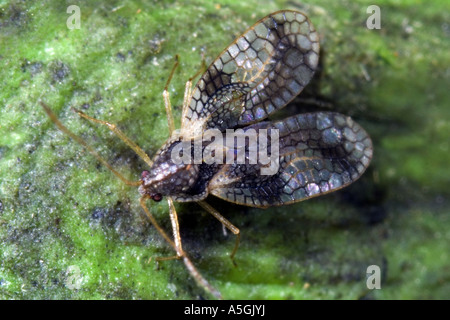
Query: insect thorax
[[181, 181]]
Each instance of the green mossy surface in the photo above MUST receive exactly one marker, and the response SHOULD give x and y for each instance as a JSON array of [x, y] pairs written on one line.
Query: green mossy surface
[[61, 211]]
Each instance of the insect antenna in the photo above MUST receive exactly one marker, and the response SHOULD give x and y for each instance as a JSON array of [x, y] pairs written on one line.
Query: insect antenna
[[120, 134], [64, 129]]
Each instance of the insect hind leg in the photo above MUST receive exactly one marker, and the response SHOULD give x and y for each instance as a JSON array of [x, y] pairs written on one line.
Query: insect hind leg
[[227, 224]]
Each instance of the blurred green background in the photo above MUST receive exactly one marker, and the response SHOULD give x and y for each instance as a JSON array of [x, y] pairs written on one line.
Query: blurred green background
[[64, 217]]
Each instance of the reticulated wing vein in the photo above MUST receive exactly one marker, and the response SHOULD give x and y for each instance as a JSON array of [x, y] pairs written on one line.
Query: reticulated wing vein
[[259, 73]]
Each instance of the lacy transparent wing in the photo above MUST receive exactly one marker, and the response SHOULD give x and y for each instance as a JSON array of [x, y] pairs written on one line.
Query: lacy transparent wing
[[259, 73], [319, 153]]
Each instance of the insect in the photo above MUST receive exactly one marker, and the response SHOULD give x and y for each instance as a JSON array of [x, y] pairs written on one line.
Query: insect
[[257, 74]]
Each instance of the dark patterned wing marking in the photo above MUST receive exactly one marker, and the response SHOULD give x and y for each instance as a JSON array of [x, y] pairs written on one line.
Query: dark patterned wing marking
[[259, 73], [319, 153]]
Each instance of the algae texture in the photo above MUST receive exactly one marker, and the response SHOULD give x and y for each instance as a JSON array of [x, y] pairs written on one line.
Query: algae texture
[[69, 229]]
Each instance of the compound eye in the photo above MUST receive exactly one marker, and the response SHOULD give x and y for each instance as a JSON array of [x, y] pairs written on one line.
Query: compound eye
[[144, 174], [157, 197]]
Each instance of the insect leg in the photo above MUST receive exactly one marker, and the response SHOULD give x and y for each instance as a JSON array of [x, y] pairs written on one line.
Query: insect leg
[[200, 280], [226, 223], [188, 91], [175, 227], [166, 97], [120, 134], [181, 254], [159, 229], [154, 222], [177, 246], [187, 96], [64, 129]]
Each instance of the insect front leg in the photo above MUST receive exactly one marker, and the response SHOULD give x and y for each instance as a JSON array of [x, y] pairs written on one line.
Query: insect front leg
[[187, 96], [176, 245], [166, 97], [175, 228], [188, 92], [182, 255], [226, 223]]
